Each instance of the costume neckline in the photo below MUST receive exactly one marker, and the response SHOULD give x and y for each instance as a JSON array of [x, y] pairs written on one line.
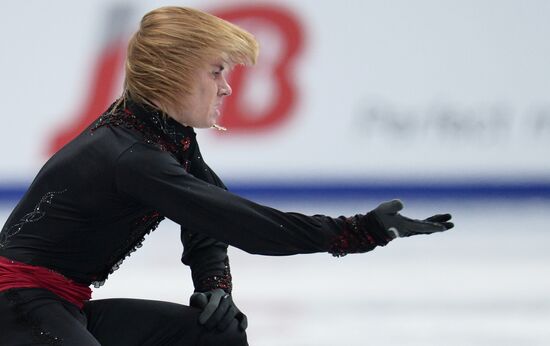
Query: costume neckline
[[159, 120]]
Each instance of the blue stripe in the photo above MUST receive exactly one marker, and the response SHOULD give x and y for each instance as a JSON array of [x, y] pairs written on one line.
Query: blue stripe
[[12, 193], [398, 190], [340, 190]]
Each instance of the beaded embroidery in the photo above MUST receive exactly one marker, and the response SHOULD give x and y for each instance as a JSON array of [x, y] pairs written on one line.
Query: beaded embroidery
[[127, 119], [217, 281], [36, 215], [361, 233], [352, 239]]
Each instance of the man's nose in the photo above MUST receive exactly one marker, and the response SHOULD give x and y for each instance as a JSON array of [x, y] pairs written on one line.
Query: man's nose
[[224, 89]]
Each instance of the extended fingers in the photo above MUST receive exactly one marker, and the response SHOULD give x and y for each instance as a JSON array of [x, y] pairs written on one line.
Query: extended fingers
[[439, 218], [442, 219], [412, 227]]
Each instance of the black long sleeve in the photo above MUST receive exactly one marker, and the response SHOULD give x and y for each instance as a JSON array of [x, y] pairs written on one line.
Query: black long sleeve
[[156, 179], [206, 256], [208, 260]]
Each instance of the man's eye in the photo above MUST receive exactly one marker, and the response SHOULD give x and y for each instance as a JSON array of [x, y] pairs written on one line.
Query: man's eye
[[216, 73]]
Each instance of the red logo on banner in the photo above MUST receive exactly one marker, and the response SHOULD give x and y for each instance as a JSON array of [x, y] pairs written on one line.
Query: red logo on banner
[[237, 114]]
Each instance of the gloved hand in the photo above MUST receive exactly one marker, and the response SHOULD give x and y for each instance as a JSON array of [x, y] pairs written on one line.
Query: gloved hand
[[397, 225], [218, 309]]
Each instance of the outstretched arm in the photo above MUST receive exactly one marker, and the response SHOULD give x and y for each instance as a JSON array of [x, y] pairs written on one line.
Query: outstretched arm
[[156, 179]]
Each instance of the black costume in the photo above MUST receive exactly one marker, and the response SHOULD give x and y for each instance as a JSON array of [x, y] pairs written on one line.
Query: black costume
[[93, 202]]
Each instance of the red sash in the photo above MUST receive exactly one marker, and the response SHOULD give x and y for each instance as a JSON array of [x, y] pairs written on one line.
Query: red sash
[[20, 275]]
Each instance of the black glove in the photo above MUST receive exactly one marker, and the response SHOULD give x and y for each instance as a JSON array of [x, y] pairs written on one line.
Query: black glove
[[397, 225], [218, 310]]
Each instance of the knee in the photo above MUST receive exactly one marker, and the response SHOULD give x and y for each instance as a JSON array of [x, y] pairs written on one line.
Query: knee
[[232, 336]]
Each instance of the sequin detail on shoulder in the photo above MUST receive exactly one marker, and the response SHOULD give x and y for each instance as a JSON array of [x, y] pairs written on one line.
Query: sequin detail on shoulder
[[34, 216], [129, 120], [155, 128]]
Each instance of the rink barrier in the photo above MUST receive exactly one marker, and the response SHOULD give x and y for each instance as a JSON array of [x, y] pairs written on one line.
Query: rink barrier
[[396, 190], [338, 190]]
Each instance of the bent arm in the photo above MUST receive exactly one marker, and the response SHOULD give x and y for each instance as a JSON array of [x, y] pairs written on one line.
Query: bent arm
[[206, 256]]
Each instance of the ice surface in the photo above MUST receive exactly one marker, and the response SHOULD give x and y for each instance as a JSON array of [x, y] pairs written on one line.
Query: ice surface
[[487, 282]]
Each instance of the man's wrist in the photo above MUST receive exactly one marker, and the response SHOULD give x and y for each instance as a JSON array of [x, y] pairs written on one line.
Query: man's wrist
[[209, 283], [360, 233]]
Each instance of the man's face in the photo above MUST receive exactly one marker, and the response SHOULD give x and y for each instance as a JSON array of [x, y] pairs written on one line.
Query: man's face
[[202, 107]]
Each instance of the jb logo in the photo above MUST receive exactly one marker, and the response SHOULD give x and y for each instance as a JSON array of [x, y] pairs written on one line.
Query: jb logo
[[282, 31], [263, 96]]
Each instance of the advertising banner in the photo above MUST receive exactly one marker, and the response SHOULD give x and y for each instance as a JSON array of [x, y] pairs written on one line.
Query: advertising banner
[[359, 94]]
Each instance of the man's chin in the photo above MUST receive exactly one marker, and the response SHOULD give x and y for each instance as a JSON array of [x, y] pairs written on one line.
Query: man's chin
[[214, 119], [207, 125]]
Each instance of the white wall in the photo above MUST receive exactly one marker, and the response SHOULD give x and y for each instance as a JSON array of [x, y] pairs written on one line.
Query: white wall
[[394, 90]]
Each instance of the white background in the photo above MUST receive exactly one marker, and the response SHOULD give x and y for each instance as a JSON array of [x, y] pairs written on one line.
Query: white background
[[395, 90]]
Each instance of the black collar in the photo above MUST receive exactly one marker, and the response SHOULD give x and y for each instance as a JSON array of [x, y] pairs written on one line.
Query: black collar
[[158, 120], [156, 127]]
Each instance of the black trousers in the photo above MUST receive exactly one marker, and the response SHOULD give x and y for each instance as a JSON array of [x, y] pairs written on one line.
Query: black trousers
[[33, 316]]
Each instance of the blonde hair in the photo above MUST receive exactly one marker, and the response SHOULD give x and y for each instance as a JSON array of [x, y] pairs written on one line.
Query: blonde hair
[[171, 43]]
